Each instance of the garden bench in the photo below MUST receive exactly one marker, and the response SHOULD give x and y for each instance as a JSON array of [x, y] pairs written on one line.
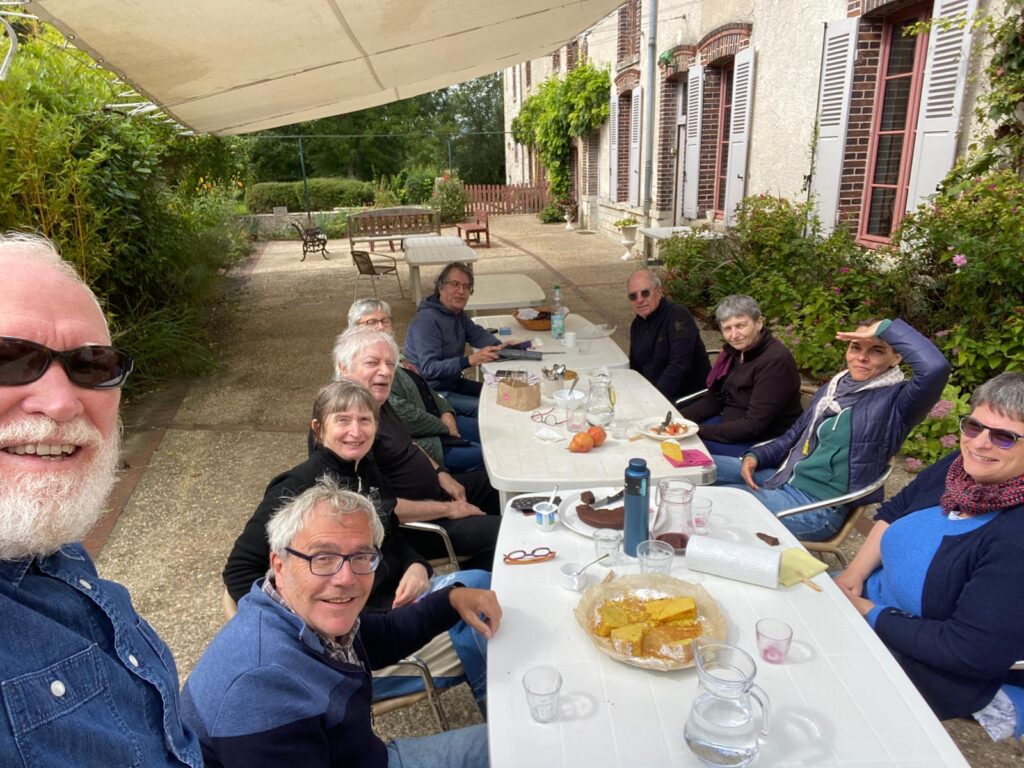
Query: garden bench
[[473, 227], [389, 224]]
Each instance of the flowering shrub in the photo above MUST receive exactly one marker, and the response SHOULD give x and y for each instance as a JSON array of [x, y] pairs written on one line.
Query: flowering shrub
[[450, 199], [939, 432]]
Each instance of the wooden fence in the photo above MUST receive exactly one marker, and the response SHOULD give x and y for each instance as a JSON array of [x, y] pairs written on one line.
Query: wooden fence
[[505, 198]]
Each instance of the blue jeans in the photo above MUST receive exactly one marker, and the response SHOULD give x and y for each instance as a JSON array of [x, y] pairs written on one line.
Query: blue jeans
[[466, 458], [723, 449], [461, 748], [469, 646], [816, 525], [464, 397]]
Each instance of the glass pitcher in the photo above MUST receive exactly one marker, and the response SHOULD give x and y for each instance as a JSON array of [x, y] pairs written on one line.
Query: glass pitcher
[[670, 523], [601, 400], [721, 729]]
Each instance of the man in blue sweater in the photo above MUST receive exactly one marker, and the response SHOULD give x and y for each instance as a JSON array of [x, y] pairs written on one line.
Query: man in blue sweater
[[287, 680]]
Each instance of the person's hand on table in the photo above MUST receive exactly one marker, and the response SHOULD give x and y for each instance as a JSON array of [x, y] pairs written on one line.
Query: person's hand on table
[[478, 607], [448, 419], [451, 486], [747, 468], [413, 584], [849, 583], [862, 604], [462, 508], [485, 355]]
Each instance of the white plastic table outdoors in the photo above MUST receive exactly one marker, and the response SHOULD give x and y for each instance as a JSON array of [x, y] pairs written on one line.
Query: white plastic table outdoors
[[427, 250], [517, 461], [603, 351], [656, 234], [839, 699], [504, 291]]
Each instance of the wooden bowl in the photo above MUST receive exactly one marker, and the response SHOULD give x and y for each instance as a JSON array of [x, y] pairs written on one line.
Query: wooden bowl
[[538, 324]]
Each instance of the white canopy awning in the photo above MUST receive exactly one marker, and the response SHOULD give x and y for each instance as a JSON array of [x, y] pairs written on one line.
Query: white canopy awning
[[236, 66]]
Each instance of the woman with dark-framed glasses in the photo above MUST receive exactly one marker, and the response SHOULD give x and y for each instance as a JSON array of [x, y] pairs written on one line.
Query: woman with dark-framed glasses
[[344, 425], [940, 576]]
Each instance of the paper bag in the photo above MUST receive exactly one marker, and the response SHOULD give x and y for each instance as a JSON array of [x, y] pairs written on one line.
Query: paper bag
[[518, 393]]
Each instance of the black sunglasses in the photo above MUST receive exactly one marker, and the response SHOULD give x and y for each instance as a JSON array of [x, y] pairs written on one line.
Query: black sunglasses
[[92, 367], [1000, 438], [645, 293]]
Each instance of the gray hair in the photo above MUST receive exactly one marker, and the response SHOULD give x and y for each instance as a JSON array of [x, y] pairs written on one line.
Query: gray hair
[[326, 498], [651, 275], [737, 305], [364, 307], [354, 341], [460, 266], [338, 396], [1004, 394], [38, 249]]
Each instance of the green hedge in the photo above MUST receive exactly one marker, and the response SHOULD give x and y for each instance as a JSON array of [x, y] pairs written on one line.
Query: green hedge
[[324, 194]]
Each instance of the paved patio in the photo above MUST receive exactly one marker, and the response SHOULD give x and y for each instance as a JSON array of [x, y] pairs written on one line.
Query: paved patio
[[199, 454]]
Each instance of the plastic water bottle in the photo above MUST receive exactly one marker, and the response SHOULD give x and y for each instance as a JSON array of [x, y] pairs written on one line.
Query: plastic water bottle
[[638, 482], [557, 314]]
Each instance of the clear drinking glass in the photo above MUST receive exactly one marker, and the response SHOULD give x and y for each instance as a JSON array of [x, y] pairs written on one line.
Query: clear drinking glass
[[542, 685], [655, 556], [607, 541]]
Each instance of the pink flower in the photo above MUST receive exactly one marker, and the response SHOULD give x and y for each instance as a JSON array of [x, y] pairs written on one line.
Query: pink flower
[[960, 260], [836, 290], [948, 441], [941, 334], [941, 409], [843, 270], [914, 465]]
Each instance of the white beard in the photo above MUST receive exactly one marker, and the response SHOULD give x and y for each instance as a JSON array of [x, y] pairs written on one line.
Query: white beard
[[42, 511]]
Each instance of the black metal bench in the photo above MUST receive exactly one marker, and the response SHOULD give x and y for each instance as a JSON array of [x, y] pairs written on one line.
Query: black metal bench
[[313, 240]]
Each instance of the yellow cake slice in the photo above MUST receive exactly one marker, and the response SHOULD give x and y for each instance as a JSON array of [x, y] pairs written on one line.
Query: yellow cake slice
[[667, 609], [628, 640]]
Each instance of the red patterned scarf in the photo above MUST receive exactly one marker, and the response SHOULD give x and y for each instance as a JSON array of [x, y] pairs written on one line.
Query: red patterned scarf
[[968, 498]]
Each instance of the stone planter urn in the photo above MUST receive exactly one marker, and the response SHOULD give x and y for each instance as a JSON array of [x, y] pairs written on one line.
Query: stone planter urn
[[628, 240], [568, 221]]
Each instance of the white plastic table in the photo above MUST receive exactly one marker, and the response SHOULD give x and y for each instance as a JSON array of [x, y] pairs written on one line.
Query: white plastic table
[[839, 699], [504, 291], [601, 352], [517, 461], [424, 251]]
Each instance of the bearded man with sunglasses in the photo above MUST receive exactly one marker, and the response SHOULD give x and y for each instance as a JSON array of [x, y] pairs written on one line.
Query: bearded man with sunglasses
[[664, 343], [83, 679]]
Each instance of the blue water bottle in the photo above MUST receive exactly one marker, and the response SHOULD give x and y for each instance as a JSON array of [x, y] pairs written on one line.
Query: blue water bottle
[[638, 482]]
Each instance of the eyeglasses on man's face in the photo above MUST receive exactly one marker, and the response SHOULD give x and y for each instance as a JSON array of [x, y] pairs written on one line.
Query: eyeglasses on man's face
[[91, 367], [329, 563], [376, 322], [645, 294], [458, 285], [1000, 438]]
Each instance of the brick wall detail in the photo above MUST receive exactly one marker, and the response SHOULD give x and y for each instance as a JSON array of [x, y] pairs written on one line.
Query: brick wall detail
[[628, 44], [709, 140], [671, 75], [723, 42]]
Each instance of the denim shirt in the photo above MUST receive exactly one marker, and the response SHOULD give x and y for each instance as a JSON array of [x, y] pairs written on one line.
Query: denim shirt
[[84, 680]]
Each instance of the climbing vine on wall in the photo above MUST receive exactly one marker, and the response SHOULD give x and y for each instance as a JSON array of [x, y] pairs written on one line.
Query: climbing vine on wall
[[563, 109]]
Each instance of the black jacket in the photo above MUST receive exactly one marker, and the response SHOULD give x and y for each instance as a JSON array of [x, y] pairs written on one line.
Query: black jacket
[[250, 557], [667, 349]]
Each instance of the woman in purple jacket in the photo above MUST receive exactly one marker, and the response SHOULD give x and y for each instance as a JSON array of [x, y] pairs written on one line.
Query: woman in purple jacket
[[939, 577]]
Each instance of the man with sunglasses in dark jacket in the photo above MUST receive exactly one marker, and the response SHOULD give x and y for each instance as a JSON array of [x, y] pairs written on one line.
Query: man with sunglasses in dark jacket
[[664, 343], [83, 679]]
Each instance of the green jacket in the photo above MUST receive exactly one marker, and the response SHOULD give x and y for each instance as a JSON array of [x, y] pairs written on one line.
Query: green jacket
[[425, 428]]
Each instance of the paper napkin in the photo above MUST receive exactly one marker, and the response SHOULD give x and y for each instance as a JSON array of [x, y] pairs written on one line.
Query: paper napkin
[[798, 564]]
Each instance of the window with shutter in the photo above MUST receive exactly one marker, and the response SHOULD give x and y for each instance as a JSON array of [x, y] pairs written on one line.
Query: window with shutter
[[938, 120], [613, 149], [722, 156], [694, 110], [739, 131], [634, 147], [833, 115], [892, 135]]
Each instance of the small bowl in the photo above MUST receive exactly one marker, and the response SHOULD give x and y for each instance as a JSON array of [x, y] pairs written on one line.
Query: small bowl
[[570, 579], [537, 324]]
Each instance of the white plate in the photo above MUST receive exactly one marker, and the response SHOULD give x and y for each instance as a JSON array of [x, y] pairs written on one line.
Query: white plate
[[571, 519], [646, 428]]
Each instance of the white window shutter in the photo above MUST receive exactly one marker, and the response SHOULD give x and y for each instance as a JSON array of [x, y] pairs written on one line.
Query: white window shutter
[[942, 96], [694, 108], [739, 131], [613, 149], [836, 81], [634, 147]]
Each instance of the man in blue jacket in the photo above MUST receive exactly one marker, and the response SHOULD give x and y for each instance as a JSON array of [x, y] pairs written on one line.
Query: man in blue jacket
[[437, 336], [84, 680], [287, 680]]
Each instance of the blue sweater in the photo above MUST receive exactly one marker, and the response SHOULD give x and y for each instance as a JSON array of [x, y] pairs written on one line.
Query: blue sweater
[[961, 629], [264, 695], [436, 342]]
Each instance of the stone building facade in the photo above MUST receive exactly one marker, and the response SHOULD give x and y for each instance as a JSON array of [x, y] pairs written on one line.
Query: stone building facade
[[825, 100]]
